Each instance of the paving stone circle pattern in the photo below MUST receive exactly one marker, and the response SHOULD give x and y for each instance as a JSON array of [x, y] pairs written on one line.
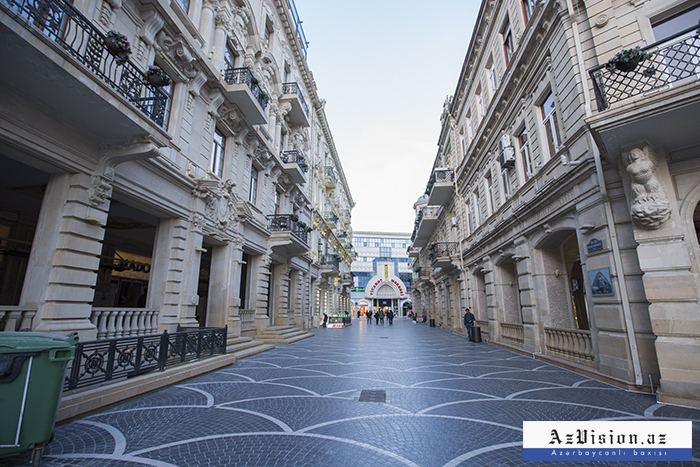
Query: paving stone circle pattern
[[448, 402]]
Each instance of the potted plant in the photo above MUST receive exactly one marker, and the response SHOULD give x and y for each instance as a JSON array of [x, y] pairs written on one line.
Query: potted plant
[[118, 46], [156, 77], [627, 60]]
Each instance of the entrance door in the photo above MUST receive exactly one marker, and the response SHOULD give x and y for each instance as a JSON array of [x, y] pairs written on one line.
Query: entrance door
[[203, 286]]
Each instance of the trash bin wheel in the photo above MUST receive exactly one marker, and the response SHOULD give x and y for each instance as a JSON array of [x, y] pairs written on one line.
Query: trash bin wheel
[[37, 453]]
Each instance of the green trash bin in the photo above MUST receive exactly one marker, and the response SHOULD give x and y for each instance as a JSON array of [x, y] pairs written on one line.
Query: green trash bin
[[32, 371]]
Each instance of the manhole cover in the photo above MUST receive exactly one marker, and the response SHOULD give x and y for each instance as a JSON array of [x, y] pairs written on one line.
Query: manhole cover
[[373, 395]]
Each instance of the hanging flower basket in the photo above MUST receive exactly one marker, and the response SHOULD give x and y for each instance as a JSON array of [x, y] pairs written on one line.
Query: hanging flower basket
[[156, 77], [627, 60], [118, 46]]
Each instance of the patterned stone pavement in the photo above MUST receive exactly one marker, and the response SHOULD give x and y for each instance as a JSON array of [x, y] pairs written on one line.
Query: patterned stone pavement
[[448, 403]]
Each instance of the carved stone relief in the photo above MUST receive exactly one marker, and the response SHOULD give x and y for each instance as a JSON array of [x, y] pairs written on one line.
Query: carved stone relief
[[650, 207], [220, 201]]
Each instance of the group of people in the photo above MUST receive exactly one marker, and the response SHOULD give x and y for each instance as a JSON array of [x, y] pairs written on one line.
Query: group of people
[[379, 316]]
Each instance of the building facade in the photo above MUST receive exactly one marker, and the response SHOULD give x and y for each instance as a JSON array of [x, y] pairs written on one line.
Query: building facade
[[128, 208], [382, 276], [563, 203]]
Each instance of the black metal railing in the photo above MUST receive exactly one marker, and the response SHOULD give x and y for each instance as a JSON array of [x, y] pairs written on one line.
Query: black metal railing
[[330, 216], [61, 22], [100, 361], [441, 250], [288, 223], [671, 60], [328, 170], [293, 88], [245, 76], [295, 157], [330, 260]]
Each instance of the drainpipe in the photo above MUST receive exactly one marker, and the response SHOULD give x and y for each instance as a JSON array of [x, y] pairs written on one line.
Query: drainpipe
[[617, 258]]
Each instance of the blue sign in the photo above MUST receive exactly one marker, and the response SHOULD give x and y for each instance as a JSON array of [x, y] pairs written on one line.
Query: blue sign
[[595, 245]]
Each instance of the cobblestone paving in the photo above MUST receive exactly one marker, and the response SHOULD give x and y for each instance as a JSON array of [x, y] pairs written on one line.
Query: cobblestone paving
[[449, 403]]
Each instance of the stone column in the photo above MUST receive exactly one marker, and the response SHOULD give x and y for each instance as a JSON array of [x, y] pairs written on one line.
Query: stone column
[[217, 56], [62, 269], [221, 285], [190, 278], [206, 23], [262, 272]]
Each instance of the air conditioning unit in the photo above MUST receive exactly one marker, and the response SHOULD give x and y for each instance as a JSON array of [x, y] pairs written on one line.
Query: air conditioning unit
[[506, 151]]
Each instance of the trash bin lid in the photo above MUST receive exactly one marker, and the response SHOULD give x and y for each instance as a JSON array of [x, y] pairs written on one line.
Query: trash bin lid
[[15, 342]]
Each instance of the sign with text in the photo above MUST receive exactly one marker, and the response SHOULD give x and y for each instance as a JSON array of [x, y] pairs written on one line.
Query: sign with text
[[640, 440]]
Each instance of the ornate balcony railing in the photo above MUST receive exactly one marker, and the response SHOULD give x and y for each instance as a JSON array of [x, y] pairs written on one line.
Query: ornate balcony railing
[[293, 88], [330, 216], [104, 360], [328, 170], [330, 260], [512, 333], [124, 322], [14, 318], [288, 223], [245, 76], [570, 344], [295, 157], [429, 211], [671, 60], [247, 319], [442, 250], [61, 22]]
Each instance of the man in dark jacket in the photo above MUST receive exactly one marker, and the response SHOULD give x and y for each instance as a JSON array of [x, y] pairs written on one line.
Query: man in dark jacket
[[469, 322]]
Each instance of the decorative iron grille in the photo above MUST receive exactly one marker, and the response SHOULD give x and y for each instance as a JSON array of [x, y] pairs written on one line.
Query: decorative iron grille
[[330, 260], [670, 61], [100, 361], [295, 157], [245, 76], [293, 88], [443, 176], [61, 22], [442, 250], [288, 223], [429, 211]]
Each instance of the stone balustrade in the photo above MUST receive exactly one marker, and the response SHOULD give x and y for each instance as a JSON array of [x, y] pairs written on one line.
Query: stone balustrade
[[512, 333], [247, 319], [14, 318], [124, 322], [570, 344]]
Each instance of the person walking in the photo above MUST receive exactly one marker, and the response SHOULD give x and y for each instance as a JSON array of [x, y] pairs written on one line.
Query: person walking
[[469, 322], [369, 316], [376, 317], [390, 316], [325, 320], [381, 316]]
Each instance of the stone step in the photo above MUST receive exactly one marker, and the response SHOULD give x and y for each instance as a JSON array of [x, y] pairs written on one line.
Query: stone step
[[283, 335], [250, 350]]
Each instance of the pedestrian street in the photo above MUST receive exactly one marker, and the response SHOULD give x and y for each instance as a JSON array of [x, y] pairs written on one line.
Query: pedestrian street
[[365, 395]]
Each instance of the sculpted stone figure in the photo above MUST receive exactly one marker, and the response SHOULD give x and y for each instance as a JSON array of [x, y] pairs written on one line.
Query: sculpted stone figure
[[650, 208]]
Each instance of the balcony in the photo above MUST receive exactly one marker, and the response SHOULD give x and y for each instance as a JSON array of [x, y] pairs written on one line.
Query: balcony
[[440, 254], [299, 113], [346, 278], [54, 54], [442, 187], [244, 90], [288, 234], [413, 252], [428, 220], [330, 177], [657, 102], [295, 166], [331, 219], [330, 265]]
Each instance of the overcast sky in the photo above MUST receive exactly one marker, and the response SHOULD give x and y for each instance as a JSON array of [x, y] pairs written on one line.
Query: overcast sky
[[385, 68]]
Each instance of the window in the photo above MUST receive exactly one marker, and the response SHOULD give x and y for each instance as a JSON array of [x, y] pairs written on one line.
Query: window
[[463, 141], [508, 46], [480, 103], [267, 34], [525, 157], [477, 208], [549, 124], [493, 79], [528, 7], [490, 196], [505, 183], [470, 126], [277, 202], [253, 195], [185, 4], [216, 166]]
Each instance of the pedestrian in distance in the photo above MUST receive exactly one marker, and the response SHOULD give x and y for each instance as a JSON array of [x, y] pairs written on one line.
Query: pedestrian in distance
[[376, 317], [390, 316], [381, 316], [325, 320], [469, 322], [369, 316]]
